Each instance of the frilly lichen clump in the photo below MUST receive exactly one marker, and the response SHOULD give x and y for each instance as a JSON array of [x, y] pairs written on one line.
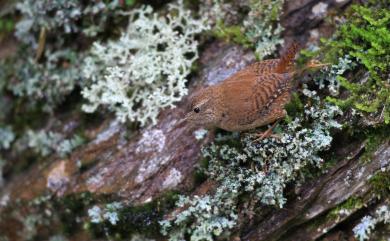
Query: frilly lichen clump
[[61, 16], [45, 69], [45, 143], [329, 78], [50, 69], [144, 70], [367, 224], [212, 214], [45, 83], [6, 137], [108, 213], [261, 29], [260, 170]]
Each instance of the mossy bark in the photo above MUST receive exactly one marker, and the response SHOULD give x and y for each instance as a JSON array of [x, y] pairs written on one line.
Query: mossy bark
[[138, 170]]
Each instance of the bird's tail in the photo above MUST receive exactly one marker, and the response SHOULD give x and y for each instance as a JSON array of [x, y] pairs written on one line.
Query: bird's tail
[[286, 62]]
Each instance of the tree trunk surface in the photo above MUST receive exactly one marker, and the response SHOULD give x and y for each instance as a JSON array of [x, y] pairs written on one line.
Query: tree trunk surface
[[141, 168]]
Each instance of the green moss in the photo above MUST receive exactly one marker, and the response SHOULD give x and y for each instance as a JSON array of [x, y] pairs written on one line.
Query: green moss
[[69, 208], [232, 33], [6, 25], [294, 108], [69, 214], [351, 203], [130, 2], [305, 56], [200, 175], [366, 37], [259, 30], [141, 219], [380, 184], [373, 140]]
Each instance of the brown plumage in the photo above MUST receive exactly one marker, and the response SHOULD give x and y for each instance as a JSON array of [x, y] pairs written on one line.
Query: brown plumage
[[253, 97]]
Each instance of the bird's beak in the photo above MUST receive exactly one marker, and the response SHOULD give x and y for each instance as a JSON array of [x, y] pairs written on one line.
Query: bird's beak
[[187, 116], [184, 119]]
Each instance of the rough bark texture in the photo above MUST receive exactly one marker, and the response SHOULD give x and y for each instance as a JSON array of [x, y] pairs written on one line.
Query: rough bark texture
[[349, 177], [164, 157], [154, 160]]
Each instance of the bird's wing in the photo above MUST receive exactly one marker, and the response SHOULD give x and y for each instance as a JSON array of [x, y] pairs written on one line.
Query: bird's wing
[[268, 88], [279, 66], [264, 67], [254, 70], [251, 96]]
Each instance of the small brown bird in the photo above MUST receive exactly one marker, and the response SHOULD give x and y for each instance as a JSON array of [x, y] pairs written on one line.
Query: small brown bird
[[253, 97]]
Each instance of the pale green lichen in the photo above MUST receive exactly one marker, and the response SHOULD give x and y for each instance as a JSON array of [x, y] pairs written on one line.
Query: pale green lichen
[[263, 27], [45, 143], [200, 134], [61, 17], [140, 237], [260, 170], [58, 238], [328, 78], [144, 70], [213, 215], [50, 68], [95, 214], [30, 223], [217, 10], [6, 137], [367, 224], [108, 213], [47, 83]]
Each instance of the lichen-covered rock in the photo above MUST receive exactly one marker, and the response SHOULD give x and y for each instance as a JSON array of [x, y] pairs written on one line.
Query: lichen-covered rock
[[157, 159], [146, 69], [162, 157], [318, 197], [60, 16], [123, 179], [260, 171]]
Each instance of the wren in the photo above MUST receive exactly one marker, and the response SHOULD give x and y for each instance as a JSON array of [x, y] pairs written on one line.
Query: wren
[[253, 97]]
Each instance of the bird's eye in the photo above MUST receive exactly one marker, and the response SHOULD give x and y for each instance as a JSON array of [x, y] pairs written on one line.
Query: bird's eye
[[196, 109]]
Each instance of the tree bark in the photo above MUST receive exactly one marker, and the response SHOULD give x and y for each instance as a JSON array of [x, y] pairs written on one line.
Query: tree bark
[[164, 157]]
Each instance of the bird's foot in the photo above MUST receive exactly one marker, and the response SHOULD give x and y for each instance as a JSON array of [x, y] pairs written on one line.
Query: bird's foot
[[268, 133], [256, 169], [264, 135]]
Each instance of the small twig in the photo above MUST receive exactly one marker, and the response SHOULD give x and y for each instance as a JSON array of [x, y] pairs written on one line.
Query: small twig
[[41, 44]]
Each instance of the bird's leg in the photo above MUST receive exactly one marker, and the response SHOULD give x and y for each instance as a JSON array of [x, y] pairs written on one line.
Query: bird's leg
[[268, 133], [266, 168]]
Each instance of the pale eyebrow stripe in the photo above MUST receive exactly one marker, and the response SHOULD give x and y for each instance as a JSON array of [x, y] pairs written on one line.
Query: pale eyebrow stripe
[[203, 102]]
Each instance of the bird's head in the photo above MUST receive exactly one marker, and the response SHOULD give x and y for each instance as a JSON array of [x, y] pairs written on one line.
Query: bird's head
[[201, 110]]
